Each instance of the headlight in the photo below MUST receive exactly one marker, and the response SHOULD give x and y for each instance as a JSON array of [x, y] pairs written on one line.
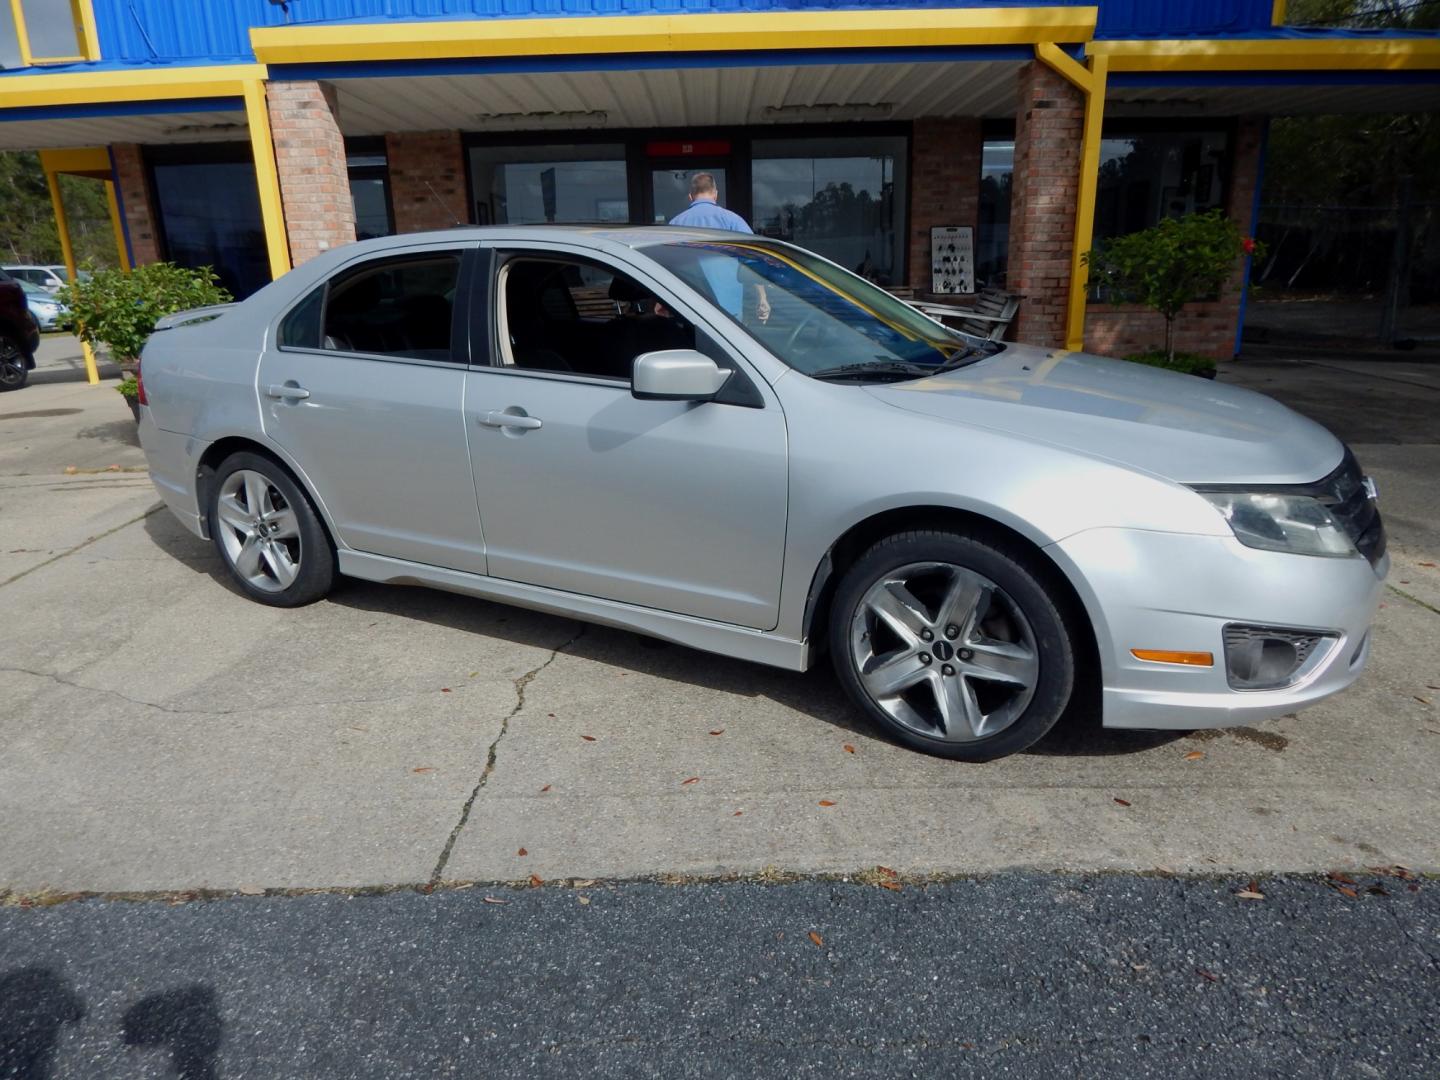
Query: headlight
[[1295, 523]]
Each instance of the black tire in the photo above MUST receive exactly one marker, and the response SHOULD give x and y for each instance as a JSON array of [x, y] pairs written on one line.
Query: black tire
[[314, 554], [1054, 644], [14, 364]]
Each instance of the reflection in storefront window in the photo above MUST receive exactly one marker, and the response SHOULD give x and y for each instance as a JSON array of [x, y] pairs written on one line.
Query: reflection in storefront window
[[841, 197], [1146, 176], [527, 185], [210, 216], [992, 246]]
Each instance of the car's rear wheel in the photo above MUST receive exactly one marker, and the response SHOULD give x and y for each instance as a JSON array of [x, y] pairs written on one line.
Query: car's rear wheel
[[267, 531], [14, 366], [952, 645]]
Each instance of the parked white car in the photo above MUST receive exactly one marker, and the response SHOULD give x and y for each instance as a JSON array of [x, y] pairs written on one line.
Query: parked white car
[[48, 311], [49, 278]]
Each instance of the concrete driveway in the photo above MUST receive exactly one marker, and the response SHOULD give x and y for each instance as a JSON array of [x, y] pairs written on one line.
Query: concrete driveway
[[161, 733]]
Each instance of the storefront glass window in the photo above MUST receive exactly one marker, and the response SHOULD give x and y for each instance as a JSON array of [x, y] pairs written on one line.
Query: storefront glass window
[[841, 197], [992, 245], [210, 216], [1149, 175], [369, 187], [527, 185]]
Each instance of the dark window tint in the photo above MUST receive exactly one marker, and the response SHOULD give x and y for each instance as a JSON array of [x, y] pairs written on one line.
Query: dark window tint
[[301, 328], [394, 307], [992, 248], [1149, 175], [584, 319], [210, 214]]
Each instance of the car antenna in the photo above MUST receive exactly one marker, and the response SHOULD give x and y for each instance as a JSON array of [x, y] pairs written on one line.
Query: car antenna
[[454, 218]]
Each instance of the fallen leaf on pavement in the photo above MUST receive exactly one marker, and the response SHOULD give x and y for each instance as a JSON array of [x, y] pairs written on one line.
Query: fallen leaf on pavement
[[1162, 868], [522, 853], [1377, 890], [848, 748], [585, 884], [1422, 700], [424, 768], [536, 880], [893, 886], [1345, 890], [737, 813], [1429, 564], [1122, 802], [544, 789], [250, 890], [1207, 975], [718, 731], [887, 871], [1343, 879], [583, 899], [588, 738], [1246, 894], [817, 939], [1195, 755], [692, 780], [826, 802], [445, 689], [495, 900], [473, 674]]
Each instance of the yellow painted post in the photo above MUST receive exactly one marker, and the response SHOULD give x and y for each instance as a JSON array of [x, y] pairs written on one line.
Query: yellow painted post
[[118, 224], [1085, 203], [22, 36], [267, 177], [1277, 13], [67, 250]]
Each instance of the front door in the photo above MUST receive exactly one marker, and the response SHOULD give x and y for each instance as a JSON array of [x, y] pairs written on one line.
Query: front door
[[582, 487], [362, 388]]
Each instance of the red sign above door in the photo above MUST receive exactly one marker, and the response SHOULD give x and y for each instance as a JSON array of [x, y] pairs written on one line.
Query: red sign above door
[[697, 148]]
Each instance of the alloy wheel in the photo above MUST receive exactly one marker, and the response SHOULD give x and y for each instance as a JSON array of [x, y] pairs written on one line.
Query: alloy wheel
[[12, 364], [944, 651], [259, 530]]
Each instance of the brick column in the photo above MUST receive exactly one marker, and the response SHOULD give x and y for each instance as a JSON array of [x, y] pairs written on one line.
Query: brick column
[[310, 158], [944, 185], [133, 191], [427, 180], [1048, 128]]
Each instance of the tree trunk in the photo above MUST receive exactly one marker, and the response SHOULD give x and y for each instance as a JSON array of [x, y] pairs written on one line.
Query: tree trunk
[[1170, 338]]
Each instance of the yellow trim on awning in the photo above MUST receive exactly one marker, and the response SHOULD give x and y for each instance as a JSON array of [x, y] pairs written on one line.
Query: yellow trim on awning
[[1278, 54]]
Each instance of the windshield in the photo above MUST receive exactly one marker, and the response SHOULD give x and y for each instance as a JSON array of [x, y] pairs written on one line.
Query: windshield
[[812, 315]]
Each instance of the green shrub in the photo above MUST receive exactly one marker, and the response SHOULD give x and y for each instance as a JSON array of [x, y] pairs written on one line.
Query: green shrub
[[129, 387], [1171, 264], [118, 311], [1189, 363]]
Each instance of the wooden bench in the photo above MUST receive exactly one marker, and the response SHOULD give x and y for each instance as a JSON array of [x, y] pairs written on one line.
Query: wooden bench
[[988, 317], [592, 302]]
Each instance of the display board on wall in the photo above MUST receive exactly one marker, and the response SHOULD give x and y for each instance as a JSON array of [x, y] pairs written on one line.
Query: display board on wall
[[952, 259]]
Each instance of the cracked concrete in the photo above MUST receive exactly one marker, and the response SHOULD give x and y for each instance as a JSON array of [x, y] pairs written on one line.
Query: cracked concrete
[[162, 733]]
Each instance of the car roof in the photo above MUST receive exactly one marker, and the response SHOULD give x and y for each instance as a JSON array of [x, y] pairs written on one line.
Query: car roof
[[631, 236]]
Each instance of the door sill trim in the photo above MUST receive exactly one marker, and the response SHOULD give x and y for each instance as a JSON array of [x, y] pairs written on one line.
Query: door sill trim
[[739, 642]]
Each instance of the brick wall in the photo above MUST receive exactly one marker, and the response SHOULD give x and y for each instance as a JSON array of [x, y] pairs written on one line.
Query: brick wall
[[427, 180], [1207, 328], [1049, 120], [310, 158], [135, 203], [944, 185]]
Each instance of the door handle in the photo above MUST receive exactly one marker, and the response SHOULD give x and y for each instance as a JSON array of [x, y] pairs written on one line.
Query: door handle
[[287, 391], [504, 419]]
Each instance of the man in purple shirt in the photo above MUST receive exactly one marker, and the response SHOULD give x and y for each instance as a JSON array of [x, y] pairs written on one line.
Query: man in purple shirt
[[705, 212]]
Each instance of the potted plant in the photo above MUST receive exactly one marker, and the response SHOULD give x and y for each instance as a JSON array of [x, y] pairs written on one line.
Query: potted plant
[[1172, 264], [129, 388], [116, 311]]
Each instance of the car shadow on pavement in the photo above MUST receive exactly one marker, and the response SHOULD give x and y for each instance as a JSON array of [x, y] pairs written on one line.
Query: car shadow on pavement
[[814, 693], [35, 1005]]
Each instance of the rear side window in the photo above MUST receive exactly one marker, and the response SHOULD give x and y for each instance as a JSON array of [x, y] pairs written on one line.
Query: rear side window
[[399, 307], [301, 328]]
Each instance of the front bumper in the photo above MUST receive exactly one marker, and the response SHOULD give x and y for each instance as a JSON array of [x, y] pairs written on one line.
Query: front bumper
[[1153, 590]]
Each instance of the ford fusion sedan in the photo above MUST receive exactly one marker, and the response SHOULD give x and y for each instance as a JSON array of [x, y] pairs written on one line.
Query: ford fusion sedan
[[612, 425]]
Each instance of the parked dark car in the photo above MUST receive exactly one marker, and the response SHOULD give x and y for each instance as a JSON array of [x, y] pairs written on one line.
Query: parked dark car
[[19, 335]]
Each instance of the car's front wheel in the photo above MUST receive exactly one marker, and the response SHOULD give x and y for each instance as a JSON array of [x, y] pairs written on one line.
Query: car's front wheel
[[952, 644], [268, 533], [14, 367]]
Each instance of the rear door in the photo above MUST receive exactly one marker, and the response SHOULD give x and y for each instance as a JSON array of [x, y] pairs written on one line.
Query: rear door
[[362, 383]]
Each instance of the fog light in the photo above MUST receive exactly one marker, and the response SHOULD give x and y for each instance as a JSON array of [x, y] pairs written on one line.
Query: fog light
[[1269, 658]]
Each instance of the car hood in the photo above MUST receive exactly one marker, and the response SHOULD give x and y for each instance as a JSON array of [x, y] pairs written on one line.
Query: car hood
[[1181, 427]]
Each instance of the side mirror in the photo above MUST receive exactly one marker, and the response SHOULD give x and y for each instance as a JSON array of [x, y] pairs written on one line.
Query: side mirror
[[676, 375]]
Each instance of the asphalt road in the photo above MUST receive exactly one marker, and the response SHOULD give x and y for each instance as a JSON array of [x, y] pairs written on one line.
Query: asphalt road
[[1014, 975]]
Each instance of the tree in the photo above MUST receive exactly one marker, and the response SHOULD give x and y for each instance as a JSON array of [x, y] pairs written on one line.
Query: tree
[[27, 219], [1171, 264]]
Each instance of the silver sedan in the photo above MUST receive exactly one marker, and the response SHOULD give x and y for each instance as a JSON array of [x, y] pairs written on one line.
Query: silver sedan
[[728, 442]]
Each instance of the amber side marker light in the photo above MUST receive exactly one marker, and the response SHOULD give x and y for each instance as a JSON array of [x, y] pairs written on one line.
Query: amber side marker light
[[1167, 656]]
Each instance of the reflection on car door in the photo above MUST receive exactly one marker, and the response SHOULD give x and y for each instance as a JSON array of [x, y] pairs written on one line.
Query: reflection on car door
[[361, 386], [670, 505]]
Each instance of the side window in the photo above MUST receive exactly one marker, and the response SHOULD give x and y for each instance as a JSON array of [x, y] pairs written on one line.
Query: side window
[[301, 328], [393, 307], [581, 318]]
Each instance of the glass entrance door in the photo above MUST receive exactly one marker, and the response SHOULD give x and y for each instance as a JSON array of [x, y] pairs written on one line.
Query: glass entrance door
[[670, 187]]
